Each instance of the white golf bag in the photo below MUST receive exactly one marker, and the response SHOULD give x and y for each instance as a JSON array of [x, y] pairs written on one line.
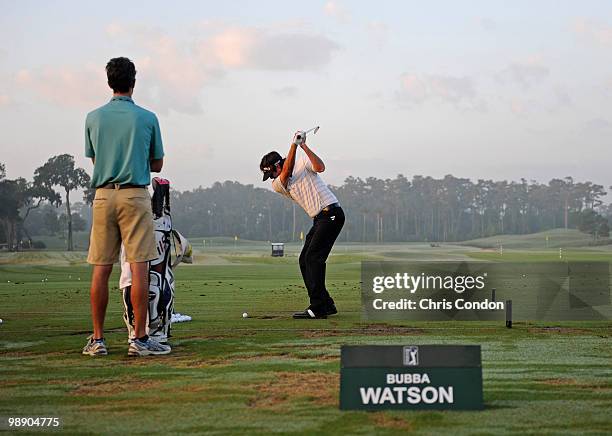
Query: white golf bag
[[161, 275]]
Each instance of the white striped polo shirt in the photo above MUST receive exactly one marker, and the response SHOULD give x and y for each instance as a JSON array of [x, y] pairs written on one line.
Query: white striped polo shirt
[[306, 188]]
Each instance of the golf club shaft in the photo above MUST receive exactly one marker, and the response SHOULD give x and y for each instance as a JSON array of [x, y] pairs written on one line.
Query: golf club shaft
[[310, 130]]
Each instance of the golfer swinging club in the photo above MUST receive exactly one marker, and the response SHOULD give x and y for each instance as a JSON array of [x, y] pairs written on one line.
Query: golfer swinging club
[[300, 182]]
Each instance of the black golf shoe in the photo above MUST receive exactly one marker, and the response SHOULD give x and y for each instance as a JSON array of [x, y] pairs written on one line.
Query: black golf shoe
[[309, 314], [331, 310]]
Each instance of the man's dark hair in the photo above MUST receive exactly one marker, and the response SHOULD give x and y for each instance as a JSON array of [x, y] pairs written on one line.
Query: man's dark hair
[[121, 73], [268, 162]]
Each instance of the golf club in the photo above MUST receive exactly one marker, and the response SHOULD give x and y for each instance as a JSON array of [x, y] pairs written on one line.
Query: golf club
[[314, 130]]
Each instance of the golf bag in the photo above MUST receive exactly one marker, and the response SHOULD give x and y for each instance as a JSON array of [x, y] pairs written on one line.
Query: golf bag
[[161, 275]]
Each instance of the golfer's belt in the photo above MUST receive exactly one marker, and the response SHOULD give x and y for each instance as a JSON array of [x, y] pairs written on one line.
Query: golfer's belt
[[327, 209]]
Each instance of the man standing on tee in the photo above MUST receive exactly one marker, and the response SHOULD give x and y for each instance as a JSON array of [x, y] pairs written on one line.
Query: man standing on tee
[[124, 142], [300, 182]]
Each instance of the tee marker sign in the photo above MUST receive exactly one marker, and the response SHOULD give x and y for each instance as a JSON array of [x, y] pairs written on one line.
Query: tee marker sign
[[412, 377]]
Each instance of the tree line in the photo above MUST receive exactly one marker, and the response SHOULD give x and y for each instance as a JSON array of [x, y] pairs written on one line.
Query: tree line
[[19, 197], [378, 210], [400, 209]]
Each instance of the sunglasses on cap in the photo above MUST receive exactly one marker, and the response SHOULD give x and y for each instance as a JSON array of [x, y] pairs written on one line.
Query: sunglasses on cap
[[269, 170]]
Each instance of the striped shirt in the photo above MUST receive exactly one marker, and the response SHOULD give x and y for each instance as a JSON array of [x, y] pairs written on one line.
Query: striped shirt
[[306, 188]]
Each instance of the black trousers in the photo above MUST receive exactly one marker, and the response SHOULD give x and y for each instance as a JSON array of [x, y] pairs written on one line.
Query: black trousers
[[318, 243]]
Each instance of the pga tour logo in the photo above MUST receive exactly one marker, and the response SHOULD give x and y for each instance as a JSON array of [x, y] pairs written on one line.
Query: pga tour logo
[[411, 355]]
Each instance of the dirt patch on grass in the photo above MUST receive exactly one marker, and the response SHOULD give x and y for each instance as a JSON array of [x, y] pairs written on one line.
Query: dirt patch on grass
[[367, 330], [576, 384], [125, 407], [18, 354], [175, 359], [322, 357], [214, 336], [98, 388], [563, 330], [559, 382], [17, 383], [318, 387], [393, 422], [193, 361], [269, 317]]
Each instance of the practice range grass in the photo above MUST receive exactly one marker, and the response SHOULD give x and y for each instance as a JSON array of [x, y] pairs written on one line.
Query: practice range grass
[[269, 373]]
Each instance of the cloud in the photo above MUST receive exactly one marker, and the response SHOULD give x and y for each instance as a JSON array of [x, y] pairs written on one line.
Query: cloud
[[606, 85], [549, 100], [487, 24], [65, 86], [170, 75], [286, 91], [114, 29], [174, 73], [561, 98], [336, 10], [378, 33], [525, 73], [252, 48], [5, 100], [598, 125], [457, 91], [593, 31], [230, 48], [521, 107]]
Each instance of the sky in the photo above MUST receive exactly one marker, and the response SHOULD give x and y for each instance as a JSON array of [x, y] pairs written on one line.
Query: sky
[[477, 89]]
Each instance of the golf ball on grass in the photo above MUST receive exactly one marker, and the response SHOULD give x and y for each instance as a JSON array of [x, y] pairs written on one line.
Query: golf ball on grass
[[1, 321], [245, 315]]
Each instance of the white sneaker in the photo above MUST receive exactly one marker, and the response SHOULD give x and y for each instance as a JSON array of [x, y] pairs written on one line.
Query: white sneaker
[[95, 348], [147, 348], [159, 338]]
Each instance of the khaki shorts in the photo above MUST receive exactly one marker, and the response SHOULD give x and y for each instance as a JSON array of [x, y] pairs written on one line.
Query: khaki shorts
[[122, 215]]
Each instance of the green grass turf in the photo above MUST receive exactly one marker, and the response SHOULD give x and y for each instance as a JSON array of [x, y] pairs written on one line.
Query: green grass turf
[[555, 238], [269, 373]]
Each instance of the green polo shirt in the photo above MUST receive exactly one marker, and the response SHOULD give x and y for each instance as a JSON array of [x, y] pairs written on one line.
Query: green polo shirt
[[123, 138]]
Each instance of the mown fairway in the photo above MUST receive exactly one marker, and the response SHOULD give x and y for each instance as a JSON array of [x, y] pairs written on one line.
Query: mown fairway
[[269, 373]]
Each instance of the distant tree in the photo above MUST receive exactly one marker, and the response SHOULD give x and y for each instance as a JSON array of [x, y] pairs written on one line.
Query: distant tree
[[604, 229], [36, 194], [2, 175], [78, 223], [84, 211], [594, 224], [60, 171], [13, 195], [51, 222], [89, 195]]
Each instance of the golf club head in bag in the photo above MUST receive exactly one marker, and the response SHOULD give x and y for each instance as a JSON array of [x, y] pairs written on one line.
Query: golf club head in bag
[[161, 276], [160, 201], [183, 251]]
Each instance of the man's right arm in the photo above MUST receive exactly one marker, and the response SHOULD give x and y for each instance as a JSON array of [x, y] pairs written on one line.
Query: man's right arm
[[89, 149], [156, 165], [157, 148], [287, 170]]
